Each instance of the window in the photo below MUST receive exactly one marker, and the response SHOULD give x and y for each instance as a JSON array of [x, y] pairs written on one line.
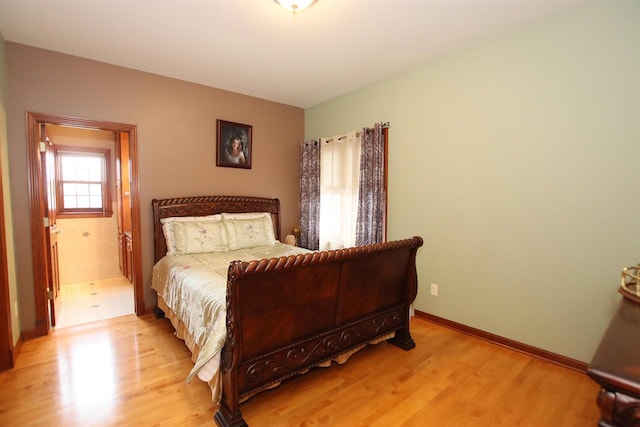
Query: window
[[339, 179], [82, 177]]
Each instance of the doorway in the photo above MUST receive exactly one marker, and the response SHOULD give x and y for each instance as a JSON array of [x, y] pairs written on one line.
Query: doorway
[[88, 172], [45, 268]]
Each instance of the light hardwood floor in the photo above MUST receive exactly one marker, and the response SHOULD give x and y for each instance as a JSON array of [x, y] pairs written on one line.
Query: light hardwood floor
[[130, 371]]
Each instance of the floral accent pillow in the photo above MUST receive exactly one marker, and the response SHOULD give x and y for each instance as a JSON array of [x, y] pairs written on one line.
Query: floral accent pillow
[[200, 237], [168, 226], [249, 232]]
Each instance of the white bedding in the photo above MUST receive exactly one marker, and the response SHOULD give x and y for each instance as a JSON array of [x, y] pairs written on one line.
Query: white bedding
[[194, 287]]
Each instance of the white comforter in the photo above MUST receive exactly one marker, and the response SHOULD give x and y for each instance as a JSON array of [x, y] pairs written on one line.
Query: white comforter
[[194, 287]]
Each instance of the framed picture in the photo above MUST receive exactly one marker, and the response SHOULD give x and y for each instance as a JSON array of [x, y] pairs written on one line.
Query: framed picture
[[233, 146]]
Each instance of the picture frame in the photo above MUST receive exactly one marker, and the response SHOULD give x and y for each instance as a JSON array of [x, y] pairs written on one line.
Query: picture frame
[[233, 145]]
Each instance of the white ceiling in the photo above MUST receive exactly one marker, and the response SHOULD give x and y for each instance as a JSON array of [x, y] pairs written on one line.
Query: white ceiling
[[256, 48]]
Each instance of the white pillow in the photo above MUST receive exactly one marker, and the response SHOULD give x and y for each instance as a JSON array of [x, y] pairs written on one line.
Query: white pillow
[[245, 215], [168, 223], [249, 230], [199, 237], [271, 235]]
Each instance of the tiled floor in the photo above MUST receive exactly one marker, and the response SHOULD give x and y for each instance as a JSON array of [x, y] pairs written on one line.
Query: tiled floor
[[96, 300]]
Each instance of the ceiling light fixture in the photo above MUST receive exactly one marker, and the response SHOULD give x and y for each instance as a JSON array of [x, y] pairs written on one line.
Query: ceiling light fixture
[[295, 5]]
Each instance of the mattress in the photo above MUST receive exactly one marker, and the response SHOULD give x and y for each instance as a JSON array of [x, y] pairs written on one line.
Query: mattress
[[191, 290]]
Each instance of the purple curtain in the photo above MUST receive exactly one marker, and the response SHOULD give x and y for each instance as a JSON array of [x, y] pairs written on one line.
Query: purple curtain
[[310, 195], [372, 198]]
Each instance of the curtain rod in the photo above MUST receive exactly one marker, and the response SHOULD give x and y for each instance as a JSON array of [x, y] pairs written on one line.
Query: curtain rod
[[341, 137]]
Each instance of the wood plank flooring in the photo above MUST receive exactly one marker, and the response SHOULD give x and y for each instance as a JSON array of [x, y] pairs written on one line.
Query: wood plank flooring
[[130, 371]]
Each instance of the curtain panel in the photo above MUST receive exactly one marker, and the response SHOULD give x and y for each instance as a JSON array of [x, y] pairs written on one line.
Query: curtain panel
[[310, 195], [372, 197]]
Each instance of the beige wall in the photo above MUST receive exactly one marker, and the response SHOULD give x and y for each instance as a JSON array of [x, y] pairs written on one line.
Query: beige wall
[[88, 249], [176, 123], [518, 162], [6, 187]]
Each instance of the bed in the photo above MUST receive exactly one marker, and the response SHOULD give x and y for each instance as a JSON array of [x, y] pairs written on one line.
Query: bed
[[254, 311]]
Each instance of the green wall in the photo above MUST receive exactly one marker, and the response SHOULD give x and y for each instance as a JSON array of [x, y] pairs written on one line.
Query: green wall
[[518, 161], [6, 184]]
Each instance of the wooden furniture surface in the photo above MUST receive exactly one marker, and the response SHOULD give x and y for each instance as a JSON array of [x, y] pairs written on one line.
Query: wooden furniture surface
[[616, 368], [286, 315]]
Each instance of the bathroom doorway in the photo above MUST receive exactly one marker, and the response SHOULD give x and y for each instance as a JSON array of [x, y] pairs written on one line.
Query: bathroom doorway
[[45, 267]]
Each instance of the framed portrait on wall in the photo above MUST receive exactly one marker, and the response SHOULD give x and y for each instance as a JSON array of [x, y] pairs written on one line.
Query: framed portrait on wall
[[233, 145]]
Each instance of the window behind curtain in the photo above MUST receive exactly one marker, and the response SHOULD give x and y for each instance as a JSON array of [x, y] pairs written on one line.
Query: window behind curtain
[[82, 182], [339, 175], [348, 206]]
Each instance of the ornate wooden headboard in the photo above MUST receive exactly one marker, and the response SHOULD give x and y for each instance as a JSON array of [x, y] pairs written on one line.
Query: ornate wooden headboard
[[207, 205]]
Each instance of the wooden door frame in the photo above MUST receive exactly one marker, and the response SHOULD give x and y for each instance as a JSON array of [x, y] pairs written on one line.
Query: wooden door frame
[[37, 208]]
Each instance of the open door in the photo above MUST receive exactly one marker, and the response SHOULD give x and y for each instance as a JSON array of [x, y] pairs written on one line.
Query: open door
[[47, 158]]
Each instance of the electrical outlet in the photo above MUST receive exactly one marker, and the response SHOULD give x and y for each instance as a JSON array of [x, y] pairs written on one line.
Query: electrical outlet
[[434, 289]]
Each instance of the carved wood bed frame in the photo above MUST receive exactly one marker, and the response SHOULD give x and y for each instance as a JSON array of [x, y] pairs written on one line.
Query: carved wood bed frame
[[286, 315]]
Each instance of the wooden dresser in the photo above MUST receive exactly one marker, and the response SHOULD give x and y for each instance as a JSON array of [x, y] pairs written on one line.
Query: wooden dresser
[[616, 367]]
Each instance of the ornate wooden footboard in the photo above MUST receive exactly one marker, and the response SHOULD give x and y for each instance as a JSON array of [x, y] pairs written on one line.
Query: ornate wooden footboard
[[286, 315]]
